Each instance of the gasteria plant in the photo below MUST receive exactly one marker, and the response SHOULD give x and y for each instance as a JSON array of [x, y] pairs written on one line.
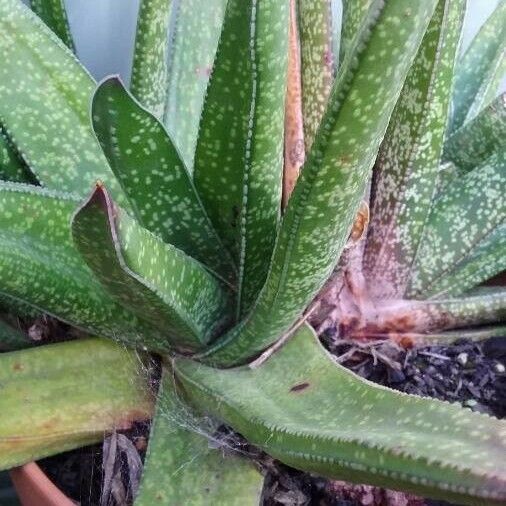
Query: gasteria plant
[[182, 248]]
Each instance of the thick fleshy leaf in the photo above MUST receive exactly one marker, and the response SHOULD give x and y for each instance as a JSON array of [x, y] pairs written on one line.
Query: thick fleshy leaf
[[45, 97], [12, 167], [485, 261], [151, 55], [441, 314], [480, 70], [40, 266], [316, 61], [322, 209], [53, 13], [239, 156], [12, 338], [480, 138], [354, 15], [451, 336], [309, 412], [195, 28], [153, 176], [406, 173], [182, 468], [468, 215], [62, 396], [152, 279]]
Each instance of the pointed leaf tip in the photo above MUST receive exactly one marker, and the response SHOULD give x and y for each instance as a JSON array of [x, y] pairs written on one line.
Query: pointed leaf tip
[[156, 282]]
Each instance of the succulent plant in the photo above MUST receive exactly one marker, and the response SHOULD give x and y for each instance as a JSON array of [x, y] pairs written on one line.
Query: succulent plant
[[183, 247]]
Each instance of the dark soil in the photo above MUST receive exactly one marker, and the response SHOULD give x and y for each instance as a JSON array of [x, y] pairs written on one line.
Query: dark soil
[[470, 373]]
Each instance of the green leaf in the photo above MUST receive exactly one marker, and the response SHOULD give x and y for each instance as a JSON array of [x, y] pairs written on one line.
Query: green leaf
[[480, 70], [53, 13], [239, 156], [321, 210], [406, 172], [485, 261], [40, 266], [154, 177], [45, 97], [354, 16], [315, 29], [446, 174], [12, 167], [181, 468], [62, 396], [194, 33], [151, 54], [480, 138], [12, 338], [304, 409], [449, 337], [429, 316], [151, 279], [469, 214]]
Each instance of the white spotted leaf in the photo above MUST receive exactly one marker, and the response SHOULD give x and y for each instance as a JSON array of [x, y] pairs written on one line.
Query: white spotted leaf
[[151, 279], [317, 62], [53, 13], [151, 55], [354, 16], [194, 30], [12, 167], [480, 70], [470, 212], [321, 211], [239, 155], [40, 266], [304, 409], [45, 97], [154, 177], [406, 172], [480, 138]]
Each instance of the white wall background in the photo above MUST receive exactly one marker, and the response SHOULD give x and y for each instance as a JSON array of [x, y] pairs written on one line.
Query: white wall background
[[104, 31]]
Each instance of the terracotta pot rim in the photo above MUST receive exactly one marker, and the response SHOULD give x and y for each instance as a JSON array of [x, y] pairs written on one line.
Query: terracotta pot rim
[[34, 488]]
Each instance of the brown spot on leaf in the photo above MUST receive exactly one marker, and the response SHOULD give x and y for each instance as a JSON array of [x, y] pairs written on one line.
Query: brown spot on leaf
[[299, 387], [17, 367]]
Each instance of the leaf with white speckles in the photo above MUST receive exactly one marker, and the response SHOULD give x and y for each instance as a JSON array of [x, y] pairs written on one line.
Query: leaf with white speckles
[[446, 174], [469, 211], [194, 31], [182, 468], [151, 279], [238, 161], [485, 261], [154, 177], [12, 167], [316, 62], [480, 138], [451, 336], [321, 211], [480, 70], [40, 266], [328, 421], [354, 16], [441, 313], [53, 13], [45, 97], [151, 53], [406, 172]]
